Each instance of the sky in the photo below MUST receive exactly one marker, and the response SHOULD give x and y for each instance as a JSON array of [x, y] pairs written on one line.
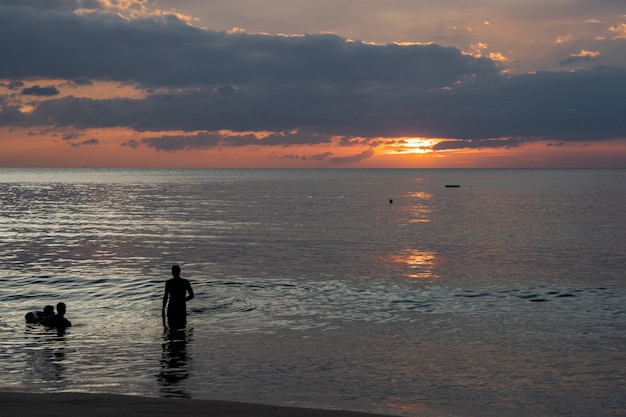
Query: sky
[[313, 83]]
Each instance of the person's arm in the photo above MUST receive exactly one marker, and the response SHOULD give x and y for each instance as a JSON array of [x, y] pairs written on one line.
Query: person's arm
[[190, 291], [166, 294]]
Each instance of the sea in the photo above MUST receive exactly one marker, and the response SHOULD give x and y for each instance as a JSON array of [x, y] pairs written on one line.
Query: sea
[[393, 291]]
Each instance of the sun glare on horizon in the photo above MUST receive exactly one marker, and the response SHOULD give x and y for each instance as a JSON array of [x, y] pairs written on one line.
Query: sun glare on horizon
[[412, 145]]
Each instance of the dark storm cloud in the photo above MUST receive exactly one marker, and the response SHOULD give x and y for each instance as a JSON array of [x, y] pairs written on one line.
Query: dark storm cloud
[[176, 143], [476, 144], [165, 51], [40, 91], [308, 88], [580, 105]]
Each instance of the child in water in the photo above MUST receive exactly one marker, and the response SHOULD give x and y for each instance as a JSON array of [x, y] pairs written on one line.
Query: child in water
[[38, 317]]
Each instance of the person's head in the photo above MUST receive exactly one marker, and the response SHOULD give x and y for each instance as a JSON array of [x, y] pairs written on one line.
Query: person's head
[[48, 311], [176, 270], [61, 308]]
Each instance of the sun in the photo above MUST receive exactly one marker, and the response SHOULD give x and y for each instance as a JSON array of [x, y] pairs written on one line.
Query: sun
[[411, 145]]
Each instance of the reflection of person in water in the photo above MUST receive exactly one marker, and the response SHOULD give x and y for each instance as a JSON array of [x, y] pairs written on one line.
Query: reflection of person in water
[[177, 291], [175, 363], [38, 317], [58, 320]]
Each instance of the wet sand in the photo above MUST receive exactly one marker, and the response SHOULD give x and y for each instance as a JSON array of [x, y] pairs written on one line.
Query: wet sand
[[104, 405], [18, 404]]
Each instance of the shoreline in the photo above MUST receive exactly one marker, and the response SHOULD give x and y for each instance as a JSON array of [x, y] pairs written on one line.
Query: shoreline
[[79, 404], [75, 404]]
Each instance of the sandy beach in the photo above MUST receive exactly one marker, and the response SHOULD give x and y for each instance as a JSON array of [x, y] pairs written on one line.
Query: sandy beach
[[104, 405], [69, 404]]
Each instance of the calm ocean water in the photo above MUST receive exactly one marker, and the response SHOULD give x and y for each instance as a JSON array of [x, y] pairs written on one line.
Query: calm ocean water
[[374, 290]]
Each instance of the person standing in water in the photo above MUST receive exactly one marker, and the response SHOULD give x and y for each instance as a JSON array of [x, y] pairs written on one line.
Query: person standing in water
[[177, 291]]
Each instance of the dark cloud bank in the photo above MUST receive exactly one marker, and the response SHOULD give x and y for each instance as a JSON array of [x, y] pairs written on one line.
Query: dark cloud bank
[[309, 88]]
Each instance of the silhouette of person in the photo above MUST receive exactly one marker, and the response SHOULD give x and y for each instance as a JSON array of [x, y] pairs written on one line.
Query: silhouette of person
[[38, 317], [58, 320], [177, 291]]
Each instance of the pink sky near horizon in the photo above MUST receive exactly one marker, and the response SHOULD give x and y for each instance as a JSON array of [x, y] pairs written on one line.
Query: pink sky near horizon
[[24, 150]]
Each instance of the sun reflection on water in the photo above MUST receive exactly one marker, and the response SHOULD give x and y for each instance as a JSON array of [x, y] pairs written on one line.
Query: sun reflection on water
[[420, 195], [419, 213], [416, 263], [411, 409]]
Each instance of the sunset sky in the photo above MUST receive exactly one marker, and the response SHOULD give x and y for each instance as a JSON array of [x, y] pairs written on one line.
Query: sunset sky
[[313, 83]]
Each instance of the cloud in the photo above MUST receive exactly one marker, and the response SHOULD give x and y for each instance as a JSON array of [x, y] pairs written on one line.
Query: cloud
[[177, 143], [290, 156], [582, 56], [561, 106], [618, 31], [88, 142], [300, 90], [478, 144], [72, 136], [133, 144], [354, 158], [211, 140], [315, 157], [564, 38], [319, 156], [13, 85], [165, 51], [81, 81], [40, 91], [568, 106]]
